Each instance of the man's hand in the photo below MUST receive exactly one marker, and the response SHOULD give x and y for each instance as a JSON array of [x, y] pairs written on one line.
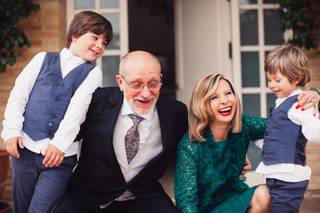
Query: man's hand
[[12, 146], [308, 99], [53, 156]]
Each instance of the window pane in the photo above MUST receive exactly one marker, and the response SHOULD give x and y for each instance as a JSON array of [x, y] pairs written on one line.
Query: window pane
[[271, 98], [249, 27], [270, 1], [114, 19], [84, 4], [251, 104], [266, 78], [250, 69], [272, 31], [248, 1], [110, 67], [109, 3]]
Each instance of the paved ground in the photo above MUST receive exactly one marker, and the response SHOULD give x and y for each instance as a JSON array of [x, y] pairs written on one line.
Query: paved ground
[[311, 203]]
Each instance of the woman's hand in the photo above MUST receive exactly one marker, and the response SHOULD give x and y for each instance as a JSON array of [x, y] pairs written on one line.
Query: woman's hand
[[308, 99], [247, 167]]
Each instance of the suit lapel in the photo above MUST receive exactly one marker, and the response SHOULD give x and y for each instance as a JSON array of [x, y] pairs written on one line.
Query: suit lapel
[[111, 112], [165, 121]]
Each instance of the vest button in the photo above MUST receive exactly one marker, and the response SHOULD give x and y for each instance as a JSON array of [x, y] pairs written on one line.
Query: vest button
[[57, 98], [50, 124], [61, 84], [53, 115]]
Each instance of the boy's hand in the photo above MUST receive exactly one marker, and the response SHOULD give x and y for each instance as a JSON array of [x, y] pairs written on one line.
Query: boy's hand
[[12, 146], [308, 99], [53, 156]]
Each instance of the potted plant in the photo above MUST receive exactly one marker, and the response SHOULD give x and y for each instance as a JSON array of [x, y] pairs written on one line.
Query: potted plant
[[12, 37], [4, 167], [303, 19]]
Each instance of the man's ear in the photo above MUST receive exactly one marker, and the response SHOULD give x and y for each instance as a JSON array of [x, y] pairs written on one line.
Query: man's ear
[[119, 81]]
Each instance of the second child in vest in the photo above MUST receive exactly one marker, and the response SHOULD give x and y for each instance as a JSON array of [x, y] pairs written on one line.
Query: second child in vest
[[45, 109], [288, 130]]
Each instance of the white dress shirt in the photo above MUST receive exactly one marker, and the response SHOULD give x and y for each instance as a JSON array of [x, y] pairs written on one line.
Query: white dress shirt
[[150, 144], [74, 116], [310, 129]]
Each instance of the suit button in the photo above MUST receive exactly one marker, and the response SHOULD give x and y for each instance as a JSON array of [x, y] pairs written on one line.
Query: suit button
[[50, 124], [57, 98]]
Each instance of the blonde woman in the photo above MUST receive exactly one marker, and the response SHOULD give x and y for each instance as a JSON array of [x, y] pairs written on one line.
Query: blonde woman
[[211, 157]]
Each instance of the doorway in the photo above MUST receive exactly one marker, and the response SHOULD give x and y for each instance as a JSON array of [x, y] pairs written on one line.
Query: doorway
[[151, 28]]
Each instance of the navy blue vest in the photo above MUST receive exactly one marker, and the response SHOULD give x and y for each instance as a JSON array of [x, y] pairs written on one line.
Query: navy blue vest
[[50, 97], [283, 139]]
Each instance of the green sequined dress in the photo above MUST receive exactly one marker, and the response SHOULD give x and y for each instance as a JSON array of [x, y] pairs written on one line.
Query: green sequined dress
[[207, 173]]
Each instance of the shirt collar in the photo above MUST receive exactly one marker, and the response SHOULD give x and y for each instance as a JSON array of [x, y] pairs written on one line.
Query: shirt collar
[[126, 109], [280, 100], [66, 54]]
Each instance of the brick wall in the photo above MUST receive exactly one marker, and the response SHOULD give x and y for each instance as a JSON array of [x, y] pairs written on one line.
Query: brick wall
[[313, 150], [46, 30]]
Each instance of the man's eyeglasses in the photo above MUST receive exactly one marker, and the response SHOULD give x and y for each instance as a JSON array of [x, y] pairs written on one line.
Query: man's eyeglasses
[[153, 84]]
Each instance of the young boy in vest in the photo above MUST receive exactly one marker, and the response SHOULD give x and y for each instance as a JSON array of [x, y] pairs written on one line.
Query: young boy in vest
[[45, 109], [288, 129]]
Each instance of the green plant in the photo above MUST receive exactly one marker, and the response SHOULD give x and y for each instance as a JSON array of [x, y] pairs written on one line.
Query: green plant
[[303, 18], [12, 37]]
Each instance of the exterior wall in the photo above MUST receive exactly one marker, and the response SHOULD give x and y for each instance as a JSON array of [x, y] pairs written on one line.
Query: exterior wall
[[202, 36], [46, 30], [313, 149]]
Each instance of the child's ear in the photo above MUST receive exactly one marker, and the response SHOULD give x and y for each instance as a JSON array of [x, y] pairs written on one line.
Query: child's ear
[[296, 82], [74, 39]]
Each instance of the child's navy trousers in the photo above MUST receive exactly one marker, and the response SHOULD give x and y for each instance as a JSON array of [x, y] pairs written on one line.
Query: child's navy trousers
[[37, 189], [286, 197]]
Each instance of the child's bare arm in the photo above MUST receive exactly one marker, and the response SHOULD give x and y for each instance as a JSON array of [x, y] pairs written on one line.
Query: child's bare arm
[[12, 146]]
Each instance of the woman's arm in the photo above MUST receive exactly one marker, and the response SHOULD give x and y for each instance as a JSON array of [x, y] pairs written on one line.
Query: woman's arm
[[186, 178], [256, 126], [309, 123]]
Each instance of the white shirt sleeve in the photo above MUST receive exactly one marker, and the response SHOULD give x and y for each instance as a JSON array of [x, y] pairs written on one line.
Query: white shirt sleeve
[[310, 124], [76, 111], [13, 115], [259, 143]]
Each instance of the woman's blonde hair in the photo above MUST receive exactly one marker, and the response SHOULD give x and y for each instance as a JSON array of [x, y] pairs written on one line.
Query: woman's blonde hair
[[291, 62], [200, 113]]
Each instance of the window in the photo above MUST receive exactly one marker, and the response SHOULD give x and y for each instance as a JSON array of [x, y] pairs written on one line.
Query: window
[[256, 30], [116, 12]]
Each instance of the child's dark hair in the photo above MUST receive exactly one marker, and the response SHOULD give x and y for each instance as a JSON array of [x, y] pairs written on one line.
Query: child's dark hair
[[89, 21], [291, 62]]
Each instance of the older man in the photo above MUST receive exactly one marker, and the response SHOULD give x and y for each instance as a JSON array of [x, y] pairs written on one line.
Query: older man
[[129, 137]]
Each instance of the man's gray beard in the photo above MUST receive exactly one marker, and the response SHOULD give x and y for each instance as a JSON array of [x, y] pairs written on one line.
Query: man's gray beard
[[138, 112]]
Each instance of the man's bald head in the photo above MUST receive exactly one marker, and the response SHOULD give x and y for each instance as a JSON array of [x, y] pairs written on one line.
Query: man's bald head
[[140, 80]]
